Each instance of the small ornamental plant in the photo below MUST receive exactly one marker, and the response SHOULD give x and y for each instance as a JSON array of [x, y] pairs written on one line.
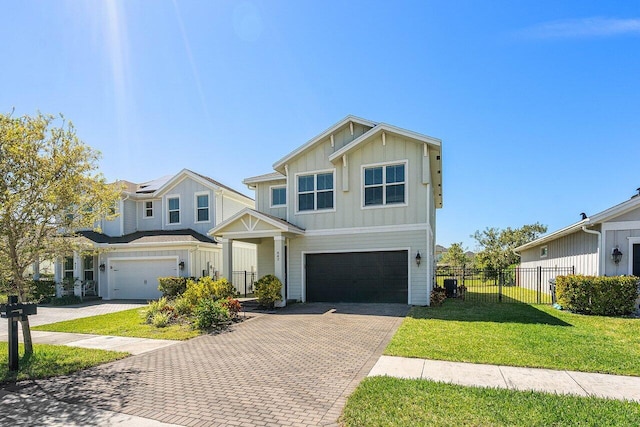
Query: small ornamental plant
[[268, 290]]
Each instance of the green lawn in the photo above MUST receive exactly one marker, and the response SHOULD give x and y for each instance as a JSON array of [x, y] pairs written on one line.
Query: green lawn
[[128, 323], [53, 360], [520, 335], [384, 401]]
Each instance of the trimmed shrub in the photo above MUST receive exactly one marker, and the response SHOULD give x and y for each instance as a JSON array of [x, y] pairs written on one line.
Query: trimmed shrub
[[209, 314], [438, 295], [207, 288], [66, 300], [268, 290], [602, 296], [172, 286], [42, 290], [159, 307], [183, 307], [233, 305]]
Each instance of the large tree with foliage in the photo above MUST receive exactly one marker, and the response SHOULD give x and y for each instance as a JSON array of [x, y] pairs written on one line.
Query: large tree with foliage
[[49, 188], [497, 246], [455, 256]]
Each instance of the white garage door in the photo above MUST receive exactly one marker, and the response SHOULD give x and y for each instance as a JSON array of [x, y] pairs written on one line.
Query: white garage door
[[138, 279]]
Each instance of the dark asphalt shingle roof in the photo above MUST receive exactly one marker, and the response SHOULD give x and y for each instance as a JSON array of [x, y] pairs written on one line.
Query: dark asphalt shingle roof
[[158, 236]]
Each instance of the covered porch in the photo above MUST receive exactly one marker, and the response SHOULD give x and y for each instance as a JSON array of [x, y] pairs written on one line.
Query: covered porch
[[270, 234]]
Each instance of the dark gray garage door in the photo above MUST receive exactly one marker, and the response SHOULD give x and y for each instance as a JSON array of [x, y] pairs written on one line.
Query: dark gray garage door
[[357, 277]]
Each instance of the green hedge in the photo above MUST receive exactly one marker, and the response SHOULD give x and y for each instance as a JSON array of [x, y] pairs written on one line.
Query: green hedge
[[268, 290], [603, 296], [172, 286]]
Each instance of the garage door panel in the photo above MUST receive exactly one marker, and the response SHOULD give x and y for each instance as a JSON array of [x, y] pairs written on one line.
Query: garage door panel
[[138, 279], [357, 277]]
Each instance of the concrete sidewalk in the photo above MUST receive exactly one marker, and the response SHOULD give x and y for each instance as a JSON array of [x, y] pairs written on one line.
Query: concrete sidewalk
[[102, 342], [478, 375]]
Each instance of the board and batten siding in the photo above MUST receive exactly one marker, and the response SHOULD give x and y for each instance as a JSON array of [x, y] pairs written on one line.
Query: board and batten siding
[[187, 189], [263, 198], [412, 241], [579, 250], [129, 216], [348, 208], [619, 238], [153, 223]]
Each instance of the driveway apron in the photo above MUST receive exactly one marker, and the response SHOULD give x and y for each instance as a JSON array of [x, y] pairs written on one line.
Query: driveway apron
[[295, 367]]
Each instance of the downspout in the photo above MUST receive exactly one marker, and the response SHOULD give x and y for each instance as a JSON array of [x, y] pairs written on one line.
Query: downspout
[[599, 234]]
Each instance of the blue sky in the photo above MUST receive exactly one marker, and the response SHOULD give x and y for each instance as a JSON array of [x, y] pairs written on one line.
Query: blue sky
[[537, 102]]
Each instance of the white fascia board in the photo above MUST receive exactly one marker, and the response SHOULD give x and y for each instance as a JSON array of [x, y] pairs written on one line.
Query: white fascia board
[[171, 245], [616, 210], [276, 176], [258, 215], [555, 235], [279, 165]]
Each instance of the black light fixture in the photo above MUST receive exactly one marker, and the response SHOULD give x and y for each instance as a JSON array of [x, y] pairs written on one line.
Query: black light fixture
[[418, 258], [181, 265], [102, 267], [616, 255]]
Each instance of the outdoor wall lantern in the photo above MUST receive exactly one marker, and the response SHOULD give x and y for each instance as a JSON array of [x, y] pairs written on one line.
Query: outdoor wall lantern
[[181, 265], [102, 267], [616, 255], [418, 258]]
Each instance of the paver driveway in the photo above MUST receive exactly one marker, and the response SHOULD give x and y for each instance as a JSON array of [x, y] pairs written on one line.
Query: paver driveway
[[296, 367]]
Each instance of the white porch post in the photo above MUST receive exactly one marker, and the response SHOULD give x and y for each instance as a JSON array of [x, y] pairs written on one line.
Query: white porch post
[[58, 274], [77, 274], [227, 259], [278, 266]]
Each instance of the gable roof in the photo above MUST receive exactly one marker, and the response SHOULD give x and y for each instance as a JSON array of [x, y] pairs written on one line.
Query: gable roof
[[279, 165], [273, 176], [279, 224], [159, 186], [591, 221]]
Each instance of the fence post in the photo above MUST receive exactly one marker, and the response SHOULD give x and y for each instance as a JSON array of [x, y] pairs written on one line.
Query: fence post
[[499, 285], [245, 283], [539, 283]]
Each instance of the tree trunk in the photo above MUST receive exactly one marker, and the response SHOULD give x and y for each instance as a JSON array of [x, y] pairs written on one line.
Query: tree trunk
[[26, 335]]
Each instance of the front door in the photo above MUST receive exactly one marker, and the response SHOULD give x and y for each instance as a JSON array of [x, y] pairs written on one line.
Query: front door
[[636, 260]]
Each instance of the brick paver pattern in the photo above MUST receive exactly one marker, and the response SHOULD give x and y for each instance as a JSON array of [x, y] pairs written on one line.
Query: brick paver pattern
[[293, 368]]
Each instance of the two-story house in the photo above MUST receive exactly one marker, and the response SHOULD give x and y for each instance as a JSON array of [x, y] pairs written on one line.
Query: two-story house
[[348, 216], [161, 230]]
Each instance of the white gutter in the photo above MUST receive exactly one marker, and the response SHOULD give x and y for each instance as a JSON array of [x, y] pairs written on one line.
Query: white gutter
[[600, 258]]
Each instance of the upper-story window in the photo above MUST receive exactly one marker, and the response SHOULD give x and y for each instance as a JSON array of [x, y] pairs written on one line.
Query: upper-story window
[[544, 251], [148, 209], [315, 191], [202, 207], [173, 204], [384, 185], [278, 196]]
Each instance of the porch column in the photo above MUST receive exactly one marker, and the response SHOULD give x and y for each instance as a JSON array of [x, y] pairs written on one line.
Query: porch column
[[227, 259], [279, 266], [77, 274], [58, 274], [36, 268]]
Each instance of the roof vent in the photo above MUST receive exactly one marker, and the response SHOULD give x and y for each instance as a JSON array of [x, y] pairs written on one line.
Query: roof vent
[[636, 195], [583, 215]]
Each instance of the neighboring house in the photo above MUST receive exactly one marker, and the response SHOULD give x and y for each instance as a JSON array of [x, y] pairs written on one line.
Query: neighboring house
[[348, 216], [590, 244], [161, 230]]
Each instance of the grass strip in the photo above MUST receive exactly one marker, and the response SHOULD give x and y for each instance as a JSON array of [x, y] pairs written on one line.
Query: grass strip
[[127, 323], [389, 402]]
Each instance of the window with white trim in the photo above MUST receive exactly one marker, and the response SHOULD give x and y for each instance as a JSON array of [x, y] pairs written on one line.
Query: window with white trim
[[67, 269], [148, 209], [315, 191], [278, 196], [202, 208], [384, 185], [173, 204], [87, 267]]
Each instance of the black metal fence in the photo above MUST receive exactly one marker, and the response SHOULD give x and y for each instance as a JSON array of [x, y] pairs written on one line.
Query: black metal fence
[[243, 281], [511, 285]]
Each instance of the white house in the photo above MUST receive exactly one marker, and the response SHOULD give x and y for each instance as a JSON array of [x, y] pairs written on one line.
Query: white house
[[604, 244], [348, 216], [161, 230]]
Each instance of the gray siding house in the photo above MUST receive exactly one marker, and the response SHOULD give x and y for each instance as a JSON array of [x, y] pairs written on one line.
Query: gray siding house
[[348, 216], [590, 244], [161, 230]]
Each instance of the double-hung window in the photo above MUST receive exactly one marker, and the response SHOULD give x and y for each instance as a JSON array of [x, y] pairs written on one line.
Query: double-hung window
[[87, 267], [67, 272], [202, 208], [384, 185], [315, 191], [174, 210]]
